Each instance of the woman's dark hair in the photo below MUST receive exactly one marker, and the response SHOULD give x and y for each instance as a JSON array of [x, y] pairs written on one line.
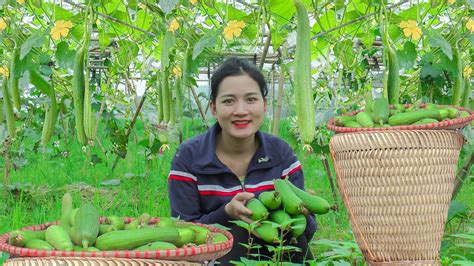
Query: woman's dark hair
[[236, 67]]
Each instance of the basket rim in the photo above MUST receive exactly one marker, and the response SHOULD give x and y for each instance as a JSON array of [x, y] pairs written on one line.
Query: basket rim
[[448, 124], [209, 251]]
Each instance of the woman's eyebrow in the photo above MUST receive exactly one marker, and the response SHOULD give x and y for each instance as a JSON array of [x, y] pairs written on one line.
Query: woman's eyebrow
[[233, 95]]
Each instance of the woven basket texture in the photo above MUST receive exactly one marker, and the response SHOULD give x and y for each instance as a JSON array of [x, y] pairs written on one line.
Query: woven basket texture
[[397, 188], [92, 261]]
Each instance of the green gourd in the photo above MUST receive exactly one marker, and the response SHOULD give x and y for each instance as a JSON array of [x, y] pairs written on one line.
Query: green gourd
[[86, 226]]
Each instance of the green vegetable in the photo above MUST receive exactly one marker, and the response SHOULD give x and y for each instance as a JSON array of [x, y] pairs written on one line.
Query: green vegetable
[[305, 106]]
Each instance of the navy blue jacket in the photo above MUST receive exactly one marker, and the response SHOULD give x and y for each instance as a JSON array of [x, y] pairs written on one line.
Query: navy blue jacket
[[200, 185]]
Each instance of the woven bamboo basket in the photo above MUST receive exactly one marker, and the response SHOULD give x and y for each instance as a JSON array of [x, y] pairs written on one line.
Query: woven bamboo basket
[[397, 188], [76, 261]]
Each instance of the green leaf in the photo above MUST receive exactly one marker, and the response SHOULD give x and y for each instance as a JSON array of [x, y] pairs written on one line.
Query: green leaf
[[446, 64], [144, 20], [281, 10], [278, 35], [168, 5], [61, 13], [407, 55], [457, 208], [462, 262], [35, 40], [64, 56], [232, 12], [437, 40], [471, 246], [241, 224], [127, 52], [104, 39], [327, 21], [95, 159], [40, 82], [470, 3], [344, 52], [428, 67], [464, 236], [208, 40], [355, 27]]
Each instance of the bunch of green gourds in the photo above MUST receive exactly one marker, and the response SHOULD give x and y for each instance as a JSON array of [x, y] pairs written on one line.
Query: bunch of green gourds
[[378, 113], [287, 206], [80, 229]]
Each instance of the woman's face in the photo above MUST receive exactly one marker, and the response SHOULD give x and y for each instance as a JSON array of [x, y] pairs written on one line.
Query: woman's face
[[239, 107]]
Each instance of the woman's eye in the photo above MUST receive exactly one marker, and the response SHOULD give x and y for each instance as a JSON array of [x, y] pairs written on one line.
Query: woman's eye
[[252, 99], [227, 101]]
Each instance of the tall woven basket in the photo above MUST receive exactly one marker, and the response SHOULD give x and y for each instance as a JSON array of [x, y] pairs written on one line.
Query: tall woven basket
[[397, 188]]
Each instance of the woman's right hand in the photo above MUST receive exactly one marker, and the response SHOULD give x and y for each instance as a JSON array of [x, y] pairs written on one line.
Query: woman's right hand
[[236, 207]]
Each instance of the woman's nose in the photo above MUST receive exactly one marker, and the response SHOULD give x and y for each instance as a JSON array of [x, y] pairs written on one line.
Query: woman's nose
[[241, 108]]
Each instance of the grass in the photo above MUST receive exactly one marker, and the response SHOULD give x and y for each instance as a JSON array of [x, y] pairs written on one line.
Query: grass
[[135, 186]]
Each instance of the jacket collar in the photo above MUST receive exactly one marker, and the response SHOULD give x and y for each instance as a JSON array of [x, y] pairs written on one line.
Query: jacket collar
[[206, 161]]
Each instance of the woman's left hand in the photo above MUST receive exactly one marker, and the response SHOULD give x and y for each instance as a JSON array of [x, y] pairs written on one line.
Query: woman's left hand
[[236, 207]]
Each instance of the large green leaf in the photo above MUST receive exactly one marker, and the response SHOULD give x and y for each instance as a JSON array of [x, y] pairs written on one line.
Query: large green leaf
[[104, 39], [64, 56], [128, 51], [231, 12], [344, 52], [327, 21], [278, 35], [428, 66], [407, 55], [321, 46], [281, 10], [437, 40], [61, 13], [352, 28], [35, 40], [144, 20], [410, 13], [208, 40], [367, 38], [447, 64]]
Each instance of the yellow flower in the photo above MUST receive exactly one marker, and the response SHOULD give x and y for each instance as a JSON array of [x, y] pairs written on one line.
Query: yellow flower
[[21, 2], [4, 71], [177, 71], [410, 29], [470, 25], [3, 24], [193, 1], [451, 1], [142, 6], [467, 71], [61, 28], [234, 29], [174, 25]]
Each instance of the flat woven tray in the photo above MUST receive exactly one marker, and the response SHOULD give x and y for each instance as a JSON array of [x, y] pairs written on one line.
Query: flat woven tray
[[190, 253], [92, 261], [448, 124]]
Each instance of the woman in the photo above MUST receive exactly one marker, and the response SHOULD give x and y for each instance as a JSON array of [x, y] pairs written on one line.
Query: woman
[[213, 175]]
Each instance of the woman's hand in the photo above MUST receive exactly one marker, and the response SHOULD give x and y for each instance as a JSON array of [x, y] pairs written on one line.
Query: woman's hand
[[236, 207]]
